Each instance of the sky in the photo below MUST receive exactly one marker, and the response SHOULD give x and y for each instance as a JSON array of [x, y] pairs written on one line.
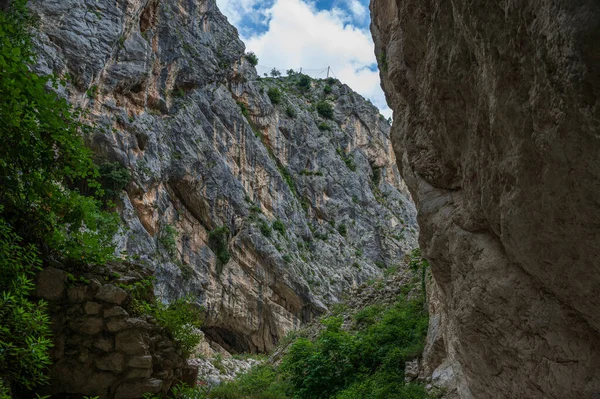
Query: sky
[[312, 34]]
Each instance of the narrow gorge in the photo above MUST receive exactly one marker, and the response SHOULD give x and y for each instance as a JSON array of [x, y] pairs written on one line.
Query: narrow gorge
[[276, 237]]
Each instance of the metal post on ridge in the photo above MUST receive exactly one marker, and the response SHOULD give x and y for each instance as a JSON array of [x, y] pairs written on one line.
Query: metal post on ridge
[[328, 72]]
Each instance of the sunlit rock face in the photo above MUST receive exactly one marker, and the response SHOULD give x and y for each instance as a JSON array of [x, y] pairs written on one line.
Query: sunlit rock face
[[183, 109], [496, 133]]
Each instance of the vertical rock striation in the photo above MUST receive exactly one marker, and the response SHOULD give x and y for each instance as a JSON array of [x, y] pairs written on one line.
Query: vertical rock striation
[[239, 200], [496, 132]]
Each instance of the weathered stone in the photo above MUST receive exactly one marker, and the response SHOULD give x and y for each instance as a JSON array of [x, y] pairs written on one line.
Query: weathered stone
[[121, 323], [135, 389], [115, 311], [104, 344], [50, 284], [112, 362], [88, 325], [131, 342], [411, 370], [141, 362], [138, 373], [68, 375], [79, 294], [496, 128], [112, 294], [92, 308]]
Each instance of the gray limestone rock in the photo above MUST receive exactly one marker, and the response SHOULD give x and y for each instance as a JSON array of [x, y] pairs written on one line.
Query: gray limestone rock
[[496, 130]]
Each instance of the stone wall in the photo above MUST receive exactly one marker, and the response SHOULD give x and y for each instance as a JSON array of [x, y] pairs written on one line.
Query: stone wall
[[101, 348]]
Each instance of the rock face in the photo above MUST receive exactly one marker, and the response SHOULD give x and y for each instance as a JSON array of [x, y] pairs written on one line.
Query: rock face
[[246, 205], [496, 129]]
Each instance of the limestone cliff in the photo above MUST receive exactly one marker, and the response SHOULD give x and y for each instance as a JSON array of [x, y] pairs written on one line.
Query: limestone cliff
[[263, 212], [496, 130]]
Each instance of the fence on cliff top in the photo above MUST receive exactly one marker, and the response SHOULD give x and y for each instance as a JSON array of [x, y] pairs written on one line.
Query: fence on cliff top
[[319, 73]]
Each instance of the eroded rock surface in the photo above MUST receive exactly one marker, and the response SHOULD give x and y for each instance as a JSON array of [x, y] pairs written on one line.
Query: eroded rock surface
[[186, 113], [496, 129]]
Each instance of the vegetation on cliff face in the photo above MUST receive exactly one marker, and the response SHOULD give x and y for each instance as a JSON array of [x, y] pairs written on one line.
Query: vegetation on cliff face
[[52, 207]]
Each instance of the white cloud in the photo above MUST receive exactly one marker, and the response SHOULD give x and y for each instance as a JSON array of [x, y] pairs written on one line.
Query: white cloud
[[299, 35]]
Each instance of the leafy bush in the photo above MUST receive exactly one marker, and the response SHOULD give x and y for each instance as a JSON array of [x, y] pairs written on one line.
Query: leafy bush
[[348, 159], [243, 108], [325, 109], [420, 265], [279, 226], [113, 179], [327, 89], [168, 238], [304, 82], [43, 157], [275, 73], [265, 229], [25, 327], [274, 95], [331, 81], [324, 126], [252, 58], [218, 240], [291, 112], [261, 382], [342, 230]]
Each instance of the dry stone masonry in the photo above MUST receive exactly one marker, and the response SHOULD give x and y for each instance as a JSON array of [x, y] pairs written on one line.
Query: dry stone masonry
[[100, 347]]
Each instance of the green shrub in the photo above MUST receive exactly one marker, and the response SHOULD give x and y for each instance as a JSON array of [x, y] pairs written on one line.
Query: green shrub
[[324, 126], [274, 95], [168, 239], [342, 230], [331, 81], [291, 112], [43, 157], [348, 159], [275, 73], [286, 258], [252, 58], [265, 229], [304, 82], [418, 264], [218, 240], [325, 109], [327, 89], [25, 327], [113, 179], [243, 108], [279, 226]]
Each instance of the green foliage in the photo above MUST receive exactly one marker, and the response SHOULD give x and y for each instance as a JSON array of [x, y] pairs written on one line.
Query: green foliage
[[327, 89], [43, 157], [368, 361], [113, 179], [265, 229], [274, 95], [291, 112], [252, 58], [304, 82], [261, 382], [342, 230], [286, 258], [218, 239], [25, 327], [382, 61], [275, 73], [181, 318], [290, 72], [243, 108], [418, 264], [348, 159], [324, 126], [279, 226], [168, 239], [325, 109]]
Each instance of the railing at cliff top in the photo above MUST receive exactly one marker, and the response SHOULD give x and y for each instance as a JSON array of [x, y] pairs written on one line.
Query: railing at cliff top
[[320, 73]]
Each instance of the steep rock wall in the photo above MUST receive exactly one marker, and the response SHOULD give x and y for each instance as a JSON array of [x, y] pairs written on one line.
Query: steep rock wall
[[496, 129], [185, 112]]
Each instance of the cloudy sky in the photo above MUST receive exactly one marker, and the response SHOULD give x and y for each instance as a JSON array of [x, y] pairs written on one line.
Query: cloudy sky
[[312, 34]]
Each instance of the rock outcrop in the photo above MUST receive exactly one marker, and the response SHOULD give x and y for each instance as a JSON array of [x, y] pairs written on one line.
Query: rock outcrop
[[262, 210], [497, 116]]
